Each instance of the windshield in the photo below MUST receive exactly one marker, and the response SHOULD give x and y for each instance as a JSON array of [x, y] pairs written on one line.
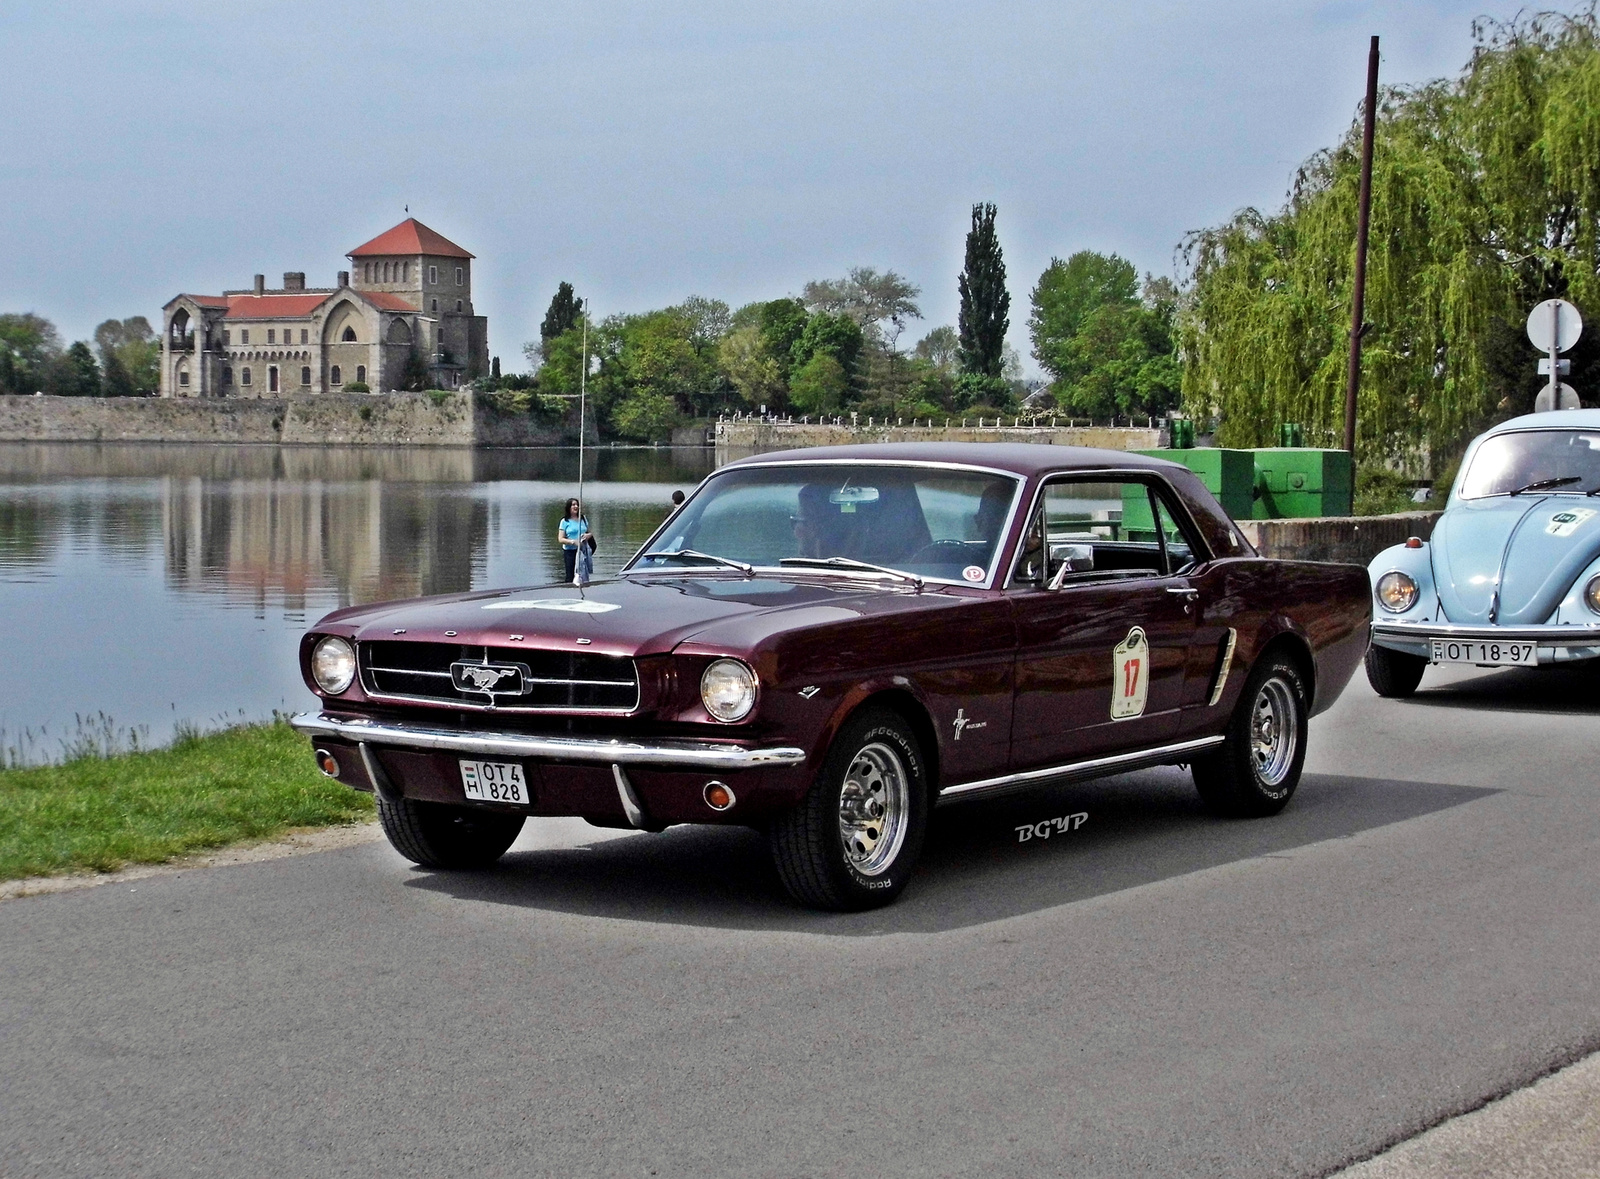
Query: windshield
[[1509, 462], [929, 522]]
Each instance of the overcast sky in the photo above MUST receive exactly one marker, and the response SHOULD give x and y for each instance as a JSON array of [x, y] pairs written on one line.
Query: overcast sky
[[648, 151]]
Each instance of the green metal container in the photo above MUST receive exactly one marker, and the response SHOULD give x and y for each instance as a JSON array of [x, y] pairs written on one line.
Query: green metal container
[[1181, 431], [1301, 481], [1230, 475]]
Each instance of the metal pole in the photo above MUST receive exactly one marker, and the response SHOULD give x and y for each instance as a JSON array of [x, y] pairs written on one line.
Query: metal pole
[[1358, 303], [583, 389], [1555, 356]]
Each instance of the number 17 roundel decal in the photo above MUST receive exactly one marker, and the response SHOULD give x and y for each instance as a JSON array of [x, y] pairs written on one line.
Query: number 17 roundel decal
[[1130, 675]]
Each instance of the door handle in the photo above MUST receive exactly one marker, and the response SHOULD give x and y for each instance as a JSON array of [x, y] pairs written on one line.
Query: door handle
[[1189, 595]]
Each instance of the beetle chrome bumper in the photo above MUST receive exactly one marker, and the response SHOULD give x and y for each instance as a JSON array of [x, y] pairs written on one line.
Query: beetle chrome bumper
[[1414, 637], [663, 754]]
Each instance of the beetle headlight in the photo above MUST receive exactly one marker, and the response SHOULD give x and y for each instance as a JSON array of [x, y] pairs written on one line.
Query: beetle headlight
[[1397, 592], [1591, 594], [333, 665], [728, 690]]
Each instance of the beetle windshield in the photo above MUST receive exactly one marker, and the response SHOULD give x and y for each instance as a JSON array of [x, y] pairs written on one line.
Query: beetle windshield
[[1534, 460], [931, 522]]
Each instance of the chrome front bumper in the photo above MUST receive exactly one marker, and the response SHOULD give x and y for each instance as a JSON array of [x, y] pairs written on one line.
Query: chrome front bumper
[[662, 754], [1415, 636]]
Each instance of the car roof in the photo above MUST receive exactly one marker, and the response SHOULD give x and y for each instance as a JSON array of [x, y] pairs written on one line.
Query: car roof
[[1022, 458], [1561, 419]]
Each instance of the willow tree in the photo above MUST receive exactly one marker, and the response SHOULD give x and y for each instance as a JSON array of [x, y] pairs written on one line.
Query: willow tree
[[1485, 199]]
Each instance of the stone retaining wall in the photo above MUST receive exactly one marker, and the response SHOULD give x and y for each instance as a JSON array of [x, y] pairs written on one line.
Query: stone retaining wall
[[757, 436], [382, 419], [1355, 539]]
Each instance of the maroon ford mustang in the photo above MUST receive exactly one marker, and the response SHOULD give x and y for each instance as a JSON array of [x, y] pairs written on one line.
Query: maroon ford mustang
[[826, 644]]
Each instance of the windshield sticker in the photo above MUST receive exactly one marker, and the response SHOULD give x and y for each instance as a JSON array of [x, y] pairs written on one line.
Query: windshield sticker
[[568, 605], [973, 573], [1130, 675], [1567, 522]]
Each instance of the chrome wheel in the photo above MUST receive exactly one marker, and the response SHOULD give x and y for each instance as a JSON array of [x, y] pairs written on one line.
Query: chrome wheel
[[874, 806], [1274, 730]]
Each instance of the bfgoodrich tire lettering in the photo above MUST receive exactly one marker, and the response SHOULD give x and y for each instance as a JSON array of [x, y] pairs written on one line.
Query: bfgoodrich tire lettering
[[1394, 673], [854, 839], [1257, 769], [437, 835]]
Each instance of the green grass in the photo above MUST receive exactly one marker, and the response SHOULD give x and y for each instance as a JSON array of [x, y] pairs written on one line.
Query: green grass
[[99, 813]]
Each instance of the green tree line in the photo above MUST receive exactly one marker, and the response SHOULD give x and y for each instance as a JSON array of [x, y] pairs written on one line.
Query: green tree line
[[125, 360], [834, 349]]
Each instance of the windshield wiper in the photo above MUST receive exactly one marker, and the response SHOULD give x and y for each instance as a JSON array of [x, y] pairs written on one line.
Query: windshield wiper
[[847, 563], [1547, 484], [693, 555]]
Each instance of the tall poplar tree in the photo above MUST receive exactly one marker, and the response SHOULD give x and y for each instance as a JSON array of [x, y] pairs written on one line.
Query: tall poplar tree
[[563, 313], [985, 303]]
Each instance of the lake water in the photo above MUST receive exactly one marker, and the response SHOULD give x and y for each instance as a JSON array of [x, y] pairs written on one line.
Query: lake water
[[163, 583]]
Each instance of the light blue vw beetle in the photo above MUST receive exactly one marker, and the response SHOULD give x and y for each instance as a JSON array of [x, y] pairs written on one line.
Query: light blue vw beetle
[[1511, 576]]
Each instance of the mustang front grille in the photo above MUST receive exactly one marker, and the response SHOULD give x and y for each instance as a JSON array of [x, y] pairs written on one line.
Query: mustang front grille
[[506, 679]]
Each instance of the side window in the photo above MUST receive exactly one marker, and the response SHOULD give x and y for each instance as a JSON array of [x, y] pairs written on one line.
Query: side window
[[1180, 547], [1099, 531]]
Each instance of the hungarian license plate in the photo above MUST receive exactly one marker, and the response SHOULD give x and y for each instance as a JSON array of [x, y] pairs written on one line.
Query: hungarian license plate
[[1484, 652], [494, 781]]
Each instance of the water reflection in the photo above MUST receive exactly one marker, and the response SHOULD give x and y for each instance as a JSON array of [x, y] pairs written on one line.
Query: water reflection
[[119, 563]]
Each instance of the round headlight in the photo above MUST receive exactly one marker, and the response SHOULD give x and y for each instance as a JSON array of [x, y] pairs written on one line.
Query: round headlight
[[728, 690], [1591, 593], [1397, 592], [333, 665]]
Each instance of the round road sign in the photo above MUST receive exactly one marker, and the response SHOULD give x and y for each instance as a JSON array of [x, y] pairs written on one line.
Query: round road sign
[[1569, 399], [1557, 317]]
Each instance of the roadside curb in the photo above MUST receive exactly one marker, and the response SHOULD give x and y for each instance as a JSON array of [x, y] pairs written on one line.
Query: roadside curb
[[1550, 1128], [297, 842]]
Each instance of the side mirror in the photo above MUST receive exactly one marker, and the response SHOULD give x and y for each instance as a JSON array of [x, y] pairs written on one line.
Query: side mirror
[[1071, 558]]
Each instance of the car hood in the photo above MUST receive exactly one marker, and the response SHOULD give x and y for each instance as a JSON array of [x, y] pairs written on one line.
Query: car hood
[[1529, 548], [630, 616]]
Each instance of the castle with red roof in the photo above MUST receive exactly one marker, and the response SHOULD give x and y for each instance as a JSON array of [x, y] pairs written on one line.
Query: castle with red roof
[[403, 310]]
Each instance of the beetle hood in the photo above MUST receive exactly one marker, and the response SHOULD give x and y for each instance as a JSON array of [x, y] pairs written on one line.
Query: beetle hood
[[1529, 548]]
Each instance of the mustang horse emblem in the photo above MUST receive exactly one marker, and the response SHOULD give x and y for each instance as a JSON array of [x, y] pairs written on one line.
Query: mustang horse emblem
[[481, 677]]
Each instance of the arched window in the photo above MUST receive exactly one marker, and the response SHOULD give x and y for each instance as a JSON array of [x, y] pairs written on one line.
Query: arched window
[[349, 336], [368, 268], [361, 373], [305, 375], [333, 376], [405, 272], [227, 374], [244, 377], [272, 378], [458, 306], [436, 307], [183, 377]]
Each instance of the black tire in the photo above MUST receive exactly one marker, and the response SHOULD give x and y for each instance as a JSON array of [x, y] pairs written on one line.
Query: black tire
[[437, 835], [1395, 674], [1241, 780], [836, 854]]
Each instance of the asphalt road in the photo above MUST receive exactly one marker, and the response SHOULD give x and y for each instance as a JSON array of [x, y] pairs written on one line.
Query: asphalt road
[[1155, 993]]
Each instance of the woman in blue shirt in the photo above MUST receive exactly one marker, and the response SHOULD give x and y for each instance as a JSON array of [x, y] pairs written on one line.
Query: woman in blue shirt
[[571, 533]]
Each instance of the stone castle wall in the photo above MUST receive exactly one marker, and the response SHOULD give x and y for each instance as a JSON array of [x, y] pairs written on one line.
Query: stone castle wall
[[390, 419]]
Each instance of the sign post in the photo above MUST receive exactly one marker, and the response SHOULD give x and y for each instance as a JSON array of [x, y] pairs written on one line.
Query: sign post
[[1554, 327]]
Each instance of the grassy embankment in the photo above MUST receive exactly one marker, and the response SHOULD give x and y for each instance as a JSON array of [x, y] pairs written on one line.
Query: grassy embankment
[[99, 813]]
